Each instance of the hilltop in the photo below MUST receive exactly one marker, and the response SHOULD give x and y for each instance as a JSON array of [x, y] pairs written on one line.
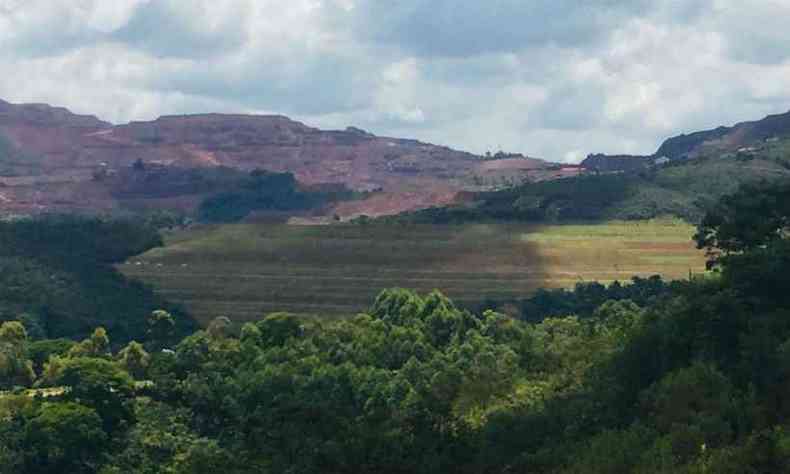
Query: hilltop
[[685, 176], [53, 159], [743, 137]]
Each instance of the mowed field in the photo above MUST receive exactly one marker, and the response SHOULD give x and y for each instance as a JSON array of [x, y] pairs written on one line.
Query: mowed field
[[244, 271]]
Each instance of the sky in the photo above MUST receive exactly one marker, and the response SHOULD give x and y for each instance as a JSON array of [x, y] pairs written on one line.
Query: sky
[[556, 79]]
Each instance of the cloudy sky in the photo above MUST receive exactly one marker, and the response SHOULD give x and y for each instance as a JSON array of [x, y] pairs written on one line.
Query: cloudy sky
[[550, 78]]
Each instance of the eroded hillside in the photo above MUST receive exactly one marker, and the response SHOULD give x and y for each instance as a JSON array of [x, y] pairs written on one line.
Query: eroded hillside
[[53, 159]]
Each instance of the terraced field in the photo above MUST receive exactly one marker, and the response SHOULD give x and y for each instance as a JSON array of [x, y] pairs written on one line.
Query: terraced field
[[244, 271]]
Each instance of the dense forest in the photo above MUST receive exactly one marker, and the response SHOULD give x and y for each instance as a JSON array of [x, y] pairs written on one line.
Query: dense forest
[[687, 377], [265, 191], [57, 275], [582, 300]]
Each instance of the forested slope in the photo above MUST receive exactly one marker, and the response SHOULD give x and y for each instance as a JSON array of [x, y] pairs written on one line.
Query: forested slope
[[692, 381], [683, 188], [57, 271]]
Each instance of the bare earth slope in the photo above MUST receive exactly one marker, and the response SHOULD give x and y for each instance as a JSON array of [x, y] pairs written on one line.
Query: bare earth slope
[[52, 156]]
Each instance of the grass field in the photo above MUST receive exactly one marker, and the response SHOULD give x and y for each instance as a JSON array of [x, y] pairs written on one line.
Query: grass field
[[244, 271]]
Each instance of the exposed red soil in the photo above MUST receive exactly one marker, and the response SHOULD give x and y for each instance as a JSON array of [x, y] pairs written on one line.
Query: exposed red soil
[[388, 203], [70, 149]]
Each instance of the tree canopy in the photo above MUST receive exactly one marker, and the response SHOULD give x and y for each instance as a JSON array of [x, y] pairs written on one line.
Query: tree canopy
[[688, 377]]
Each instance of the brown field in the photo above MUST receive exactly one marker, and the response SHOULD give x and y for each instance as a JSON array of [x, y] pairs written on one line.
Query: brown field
[[245, 271]]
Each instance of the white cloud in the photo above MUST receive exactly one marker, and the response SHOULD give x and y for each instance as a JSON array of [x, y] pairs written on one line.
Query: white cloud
[[552, 79]]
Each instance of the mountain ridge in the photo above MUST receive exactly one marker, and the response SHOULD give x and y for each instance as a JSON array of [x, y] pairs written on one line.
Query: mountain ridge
[[65, 151], [719, 140], [54, 160]]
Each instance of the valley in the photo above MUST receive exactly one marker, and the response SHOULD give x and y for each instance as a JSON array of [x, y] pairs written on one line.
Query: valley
[[404, 237]]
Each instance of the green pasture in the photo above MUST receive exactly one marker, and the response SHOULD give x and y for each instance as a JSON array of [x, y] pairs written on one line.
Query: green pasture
[[244, 271]]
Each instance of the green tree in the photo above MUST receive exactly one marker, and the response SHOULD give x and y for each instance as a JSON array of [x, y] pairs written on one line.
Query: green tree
[[276, 329], [204, 456], [162, 441], [693, 406], [617, 322], [160, 328], [219, 328], [97, 345], [15, 367], [64, 437], [40, 351], [755, 216], [32, 323], [12, 443], [10, 459], [13, 333], [100, 384], [134, 359]]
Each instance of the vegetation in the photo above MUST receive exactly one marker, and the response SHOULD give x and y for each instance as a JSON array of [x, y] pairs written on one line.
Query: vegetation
[[243, 270], [264, 191], [692, 380], [685, 189], [57, 277], [584, 299]]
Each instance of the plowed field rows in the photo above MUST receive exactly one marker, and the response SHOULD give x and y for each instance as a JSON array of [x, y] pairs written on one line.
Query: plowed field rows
[[244, 271]]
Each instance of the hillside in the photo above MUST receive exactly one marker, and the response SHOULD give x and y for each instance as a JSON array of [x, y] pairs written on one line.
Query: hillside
[[741, 137], [686, 377], [57, 274], [684, 188], [683, 179], [245, 270], [50, 157], [53, 160], [727, 139]]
